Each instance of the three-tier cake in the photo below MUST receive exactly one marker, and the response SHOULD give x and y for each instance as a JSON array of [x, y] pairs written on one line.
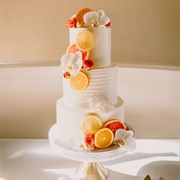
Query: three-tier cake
[[90, 114]]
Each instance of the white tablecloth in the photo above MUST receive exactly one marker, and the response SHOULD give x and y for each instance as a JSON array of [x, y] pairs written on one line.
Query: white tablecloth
[[34, 159]]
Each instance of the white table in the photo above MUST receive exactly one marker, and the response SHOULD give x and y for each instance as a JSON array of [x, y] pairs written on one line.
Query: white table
[[33, 159]]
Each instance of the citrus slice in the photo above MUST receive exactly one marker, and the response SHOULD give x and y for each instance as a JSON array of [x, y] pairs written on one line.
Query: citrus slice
[[72, 48], [91, 123], [79, 82], [103, 138], [80, 15], [85, 40], [114, 124]]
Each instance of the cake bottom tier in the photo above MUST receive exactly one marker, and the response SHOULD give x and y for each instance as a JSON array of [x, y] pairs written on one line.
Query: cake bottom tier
[[69, 120]]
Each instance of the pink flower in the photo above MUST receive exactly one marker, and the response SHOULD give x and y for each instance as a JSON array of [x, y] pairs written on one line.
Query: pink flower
[[88, 64], [67, 75], [89, 141], [71, 23]]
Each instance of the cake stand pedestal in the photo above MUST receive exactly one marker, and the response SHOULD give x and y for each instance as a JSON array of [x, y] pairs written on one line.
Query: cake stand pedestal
[[90, 169]]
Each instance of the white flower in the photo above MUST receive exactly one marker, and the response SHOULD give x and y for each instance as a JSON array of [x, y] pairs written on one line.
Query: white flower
[[71, 63], [78, 141], [95, 19], [125, 139], [101, 104]]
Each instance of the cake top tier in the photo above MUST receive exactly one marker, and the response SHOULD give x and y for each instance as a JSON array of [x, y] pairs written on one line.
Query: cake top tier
[[86, 18], [90, 42]]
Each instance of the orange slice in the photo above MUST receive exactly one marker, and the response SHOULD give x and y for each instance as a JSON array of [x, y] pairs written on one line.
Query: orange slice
[[80, 15], [85, 40], [114, 124], [72, 48], [103, 138], [79, 82], [91, 123]]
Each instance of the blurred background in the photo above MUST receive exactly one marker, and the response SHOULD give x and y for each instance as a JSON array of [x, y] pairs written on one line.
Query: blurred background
[[145, 45]]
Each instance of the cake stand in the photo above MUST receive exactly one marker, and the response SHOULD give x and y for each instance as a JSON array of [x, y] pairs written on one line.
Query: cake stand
[[90, 169]]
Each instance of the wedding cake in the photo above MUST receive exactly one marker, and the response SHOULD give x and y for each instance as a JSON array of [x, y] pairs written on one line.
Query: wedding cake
[[90, 114]]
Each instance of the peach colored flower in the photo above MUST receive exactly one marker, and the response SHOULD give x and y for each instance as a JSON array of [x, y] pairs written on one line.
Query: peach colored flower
[[89, 141], [67, 75], [88, 64], [71, 23]]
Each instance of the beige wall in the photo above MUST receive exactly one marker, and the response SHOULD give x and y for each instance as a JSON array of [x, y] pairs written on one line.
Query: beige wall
[[143, 31]]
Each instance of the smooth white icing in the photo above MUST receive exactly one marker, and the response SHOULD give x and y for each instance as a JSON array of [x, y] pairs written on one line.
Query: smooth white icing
[[101, 53], [69, 119], [102, 82]]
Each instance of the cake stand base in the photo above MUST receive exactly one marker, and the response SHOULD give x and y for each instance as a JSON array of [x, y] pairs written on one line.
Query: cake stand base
[[91, 171]]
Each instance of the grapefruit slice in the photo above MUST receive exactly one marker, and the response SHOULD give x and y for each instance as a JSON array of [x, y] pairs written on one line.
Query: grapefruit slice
[[91, 123], [103, 138], [114, 124], [72, 48]]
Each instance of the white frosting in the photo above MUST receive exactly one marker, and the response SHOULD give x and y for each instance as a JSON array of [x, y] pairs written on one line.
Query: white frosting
[[69, 119], [102, 82], [100, 97], [101, 53]]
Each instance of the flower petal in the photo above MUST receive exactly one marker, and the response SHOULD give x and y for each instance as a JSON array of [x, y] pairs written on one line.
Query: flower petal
[[77, 64], [77, 140], [91, 19], [103, 19], [131, 145], [101, 104], [120, 134], [71, 63]]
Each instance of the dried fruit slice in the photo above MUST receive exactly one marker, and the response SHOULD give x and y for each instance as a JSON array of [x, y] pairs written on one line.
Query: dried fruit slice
[[72, 48], [85, 40], [79, 82], [103, 138], [80, 15], [114, 124], [91, 123]]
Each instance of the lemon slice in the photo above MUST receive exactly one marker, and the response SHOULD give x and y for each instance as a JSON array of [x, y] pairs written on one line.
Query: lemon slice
[[79, 82], [85, 40], [103, 138], [91, 123]]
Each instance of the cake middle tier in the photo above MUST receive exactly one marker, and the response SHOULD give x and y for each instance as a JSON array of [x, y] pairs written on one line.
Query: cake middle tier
[[103, 82], [70, 119]]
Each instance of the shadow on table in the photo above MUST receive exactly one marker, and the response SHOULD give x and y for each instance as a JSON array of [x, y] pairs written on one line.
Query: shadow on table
[[49, 168], [138, 156], [169, 170]]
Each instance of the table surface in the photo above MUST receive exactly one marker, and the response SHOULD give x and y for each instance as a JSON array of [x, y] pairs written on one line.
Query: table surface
[[34, 159]]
